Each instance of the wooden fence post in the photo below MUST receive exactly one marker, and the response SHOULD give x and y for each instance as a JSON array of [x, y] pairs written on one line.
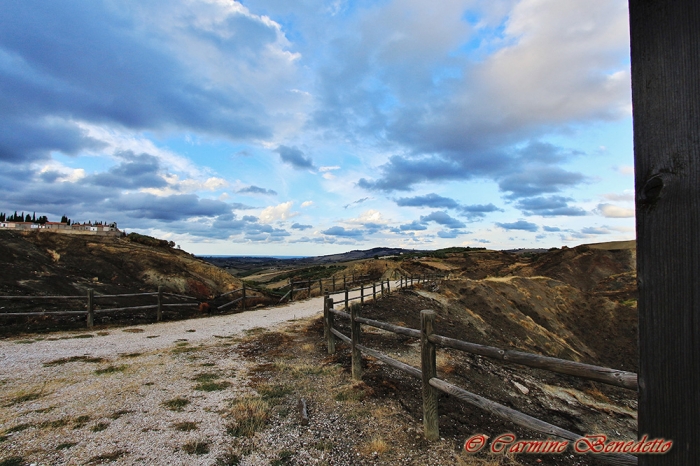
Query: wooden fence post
[[159, 311], [333, 282], [388, 286], [429, 371], [347, 299], [90, 309], [362, 293], [291, 290], [345, 285], [309, 286], [374, 291], [330, 340], [382, 288], [325, 317], [665, 65], [320, 286], [243, 300], [355, 340]]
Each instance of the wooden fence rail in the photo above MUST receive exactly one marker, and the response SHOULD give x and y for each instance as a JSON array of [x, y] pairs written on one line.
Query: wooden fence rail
[[431, 384], [91, 310]]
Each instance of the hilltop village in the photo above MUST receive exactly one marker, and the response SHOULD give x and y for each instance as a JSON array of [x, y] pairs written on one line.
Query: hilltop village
[[32, 223]]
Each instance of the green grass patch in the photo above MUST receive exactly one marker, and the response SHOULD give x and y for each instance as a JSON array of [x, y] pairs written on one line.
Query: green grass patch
[[13, 461], [273, 392], [80, 421], [65, 445], [212, 386], [196, 447], [206, 377], [176, 404], [117, 414], [284, 457], [99, 427], [54, 424], [61, 361], [107, 457], [111, 369], [19, 428], [185, 426], [130, 355], [25, 342]]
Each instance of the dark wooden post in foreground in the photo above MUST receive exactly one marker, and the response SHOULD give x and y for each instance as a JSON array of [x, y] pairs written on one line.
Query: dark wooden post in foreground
[[665, 56], [159, 310], [355, 340], [429, 371], [347, 299], [330, 338], [90, 309]]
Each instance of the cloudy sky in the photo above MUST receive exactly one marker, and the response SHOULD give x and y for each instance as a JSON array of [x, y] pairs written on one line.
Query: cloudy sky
[[319, 126]]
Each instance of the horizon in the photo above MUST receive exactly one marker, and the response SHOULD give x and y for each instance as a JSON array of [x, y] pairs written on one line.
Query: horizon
[[274, 128]]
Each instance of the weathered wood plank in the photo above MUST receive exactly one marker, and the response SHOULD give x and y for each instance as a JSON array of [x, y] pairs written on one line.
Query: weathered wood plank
[[522, 419], [390, 327], [428, 371], [415, 372], [665, 59], [340, 335]]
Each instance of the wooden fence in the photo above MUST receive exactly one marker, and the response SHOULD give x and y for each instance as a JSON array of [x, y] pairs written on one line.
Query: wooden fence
[[431, 384], [91, 300], [333, 284]]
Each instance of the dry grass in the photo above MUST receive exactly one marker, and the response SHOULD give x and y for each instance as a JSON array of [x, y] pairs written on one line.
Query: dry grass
[[196, 447], [250, 415], [176, 404], [375, 447]]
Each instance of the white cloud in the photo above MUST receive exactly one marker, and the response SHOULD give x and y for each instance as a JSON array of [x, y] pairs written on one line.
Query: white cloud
[[613, 211], [325, 169], [307, 203], [627, 195], [279, 212], [626, 170], [369, 216]]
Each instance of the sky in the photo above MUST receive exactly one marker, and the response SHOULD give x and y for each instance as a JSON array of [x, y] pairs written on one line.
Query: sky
[[270, 127]]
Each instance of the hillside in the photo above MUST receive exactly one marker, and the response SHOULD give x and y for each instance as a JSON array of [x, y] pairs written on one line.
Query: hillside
[[44, 263]]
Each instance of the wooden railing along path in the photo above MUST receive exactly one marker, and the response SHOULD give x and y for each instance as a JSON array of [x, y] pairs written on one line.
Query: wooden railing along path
[[91, 298], [431, 384]]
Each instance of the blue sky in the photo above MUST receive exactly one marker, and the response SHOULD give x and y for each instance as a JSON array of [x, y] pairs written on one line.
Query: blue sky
[[313, 127]]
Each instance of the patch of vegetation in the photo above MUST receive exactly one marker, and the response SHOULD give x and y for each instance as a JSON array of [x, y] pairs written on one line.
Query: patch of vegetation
[[25, 342], [228, 459], [354, 393], [19, 428], [196, 447], [176, 404], [130, 355], [212, 386], [111, 369], [54, 424], [80, 421], [13, 461], [25, 396], [273, 392], [150, 241], [284, 457], [323, 445], [185, 426], [65, 445], [208, 364], [206, 377], [133, 330], [114, 456], [117, 414], [250, 415], [81, 335], [61, 361], [102, 334], [99, 427]]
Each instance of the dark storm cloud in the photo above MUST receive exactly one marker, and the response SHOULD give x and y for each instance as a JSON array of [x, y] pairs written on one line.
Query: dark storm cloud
[[137, 171], [167, 208], [257, 190], [429, 200], [442, 218], [534, 181], [551, 206], [413, 226], [295, 157], [519, 225], [341, 231], [551, 229], [75, 60]]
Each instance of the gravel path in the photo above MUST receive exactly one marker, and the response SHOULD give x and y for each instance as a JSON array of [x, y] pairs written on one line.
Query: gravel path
[[99, 396]]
